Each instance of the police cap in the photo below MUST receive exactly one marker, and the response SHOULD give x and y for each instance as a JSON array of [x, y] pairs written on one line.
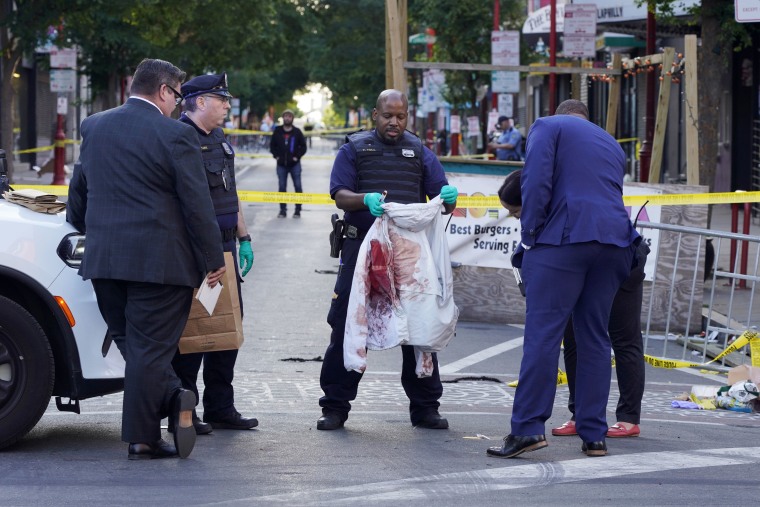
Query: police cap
[[501, 118], [209, 83]]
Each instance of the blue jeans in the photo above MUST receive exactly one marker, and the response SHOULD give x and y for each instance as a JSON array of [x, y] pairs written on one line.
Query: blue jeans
[[282, 176]]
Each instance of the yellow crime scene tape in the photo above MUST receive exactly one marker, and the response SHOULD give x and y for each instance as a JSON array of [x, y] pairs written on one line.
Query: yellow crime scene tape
[[286, 197], [45, 148], [561, 379], [750, 338], [464, 201]]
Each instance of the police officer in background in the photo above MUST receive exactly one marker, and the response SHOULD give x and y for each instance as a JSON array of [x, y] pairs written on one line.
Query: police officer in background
[[207, 101], [390, 159]]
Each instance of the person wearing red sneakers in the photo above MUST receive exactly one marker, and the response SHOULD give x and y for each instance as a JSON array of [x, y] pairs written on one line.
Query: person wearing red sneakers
[[624, 329]]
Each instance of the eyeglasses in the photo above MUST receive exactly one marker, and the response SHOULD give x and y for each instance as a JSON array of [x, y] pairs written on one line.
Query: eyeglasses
[[177, 95], [220, 97]]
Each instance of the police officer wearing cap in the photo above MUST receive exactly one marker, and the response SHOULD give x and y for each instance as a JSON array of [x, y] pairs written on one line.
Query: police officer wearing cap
[[509, 144], [207, 102], [387, 158]]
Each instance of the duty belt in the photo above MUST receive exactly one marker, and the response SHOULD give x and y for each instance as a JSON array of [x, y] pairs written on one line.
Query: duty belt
[[354, 233], [228, 234]]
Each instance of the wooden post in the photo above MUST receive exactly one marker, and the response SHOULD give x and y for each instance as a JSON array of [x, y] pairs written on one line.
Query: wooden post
[[692, 111], [388, 68], [613, 100], [403, 20], [661, 116], [575, 82], [395, 34]]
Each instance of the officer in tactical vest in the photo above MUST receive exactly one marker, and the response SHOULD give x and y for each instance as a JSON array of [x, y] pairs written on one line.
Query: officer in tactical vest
[[393, 160], [207, 101]]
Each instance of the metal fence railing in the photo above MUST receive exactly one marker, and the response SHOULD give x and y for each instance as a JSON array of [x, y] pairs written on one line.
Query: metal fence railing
[[695, 305]]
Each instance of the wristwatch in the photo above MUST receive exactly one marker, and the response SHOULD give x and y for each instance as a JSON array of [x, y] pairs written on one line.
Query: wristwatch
[[247, 237]]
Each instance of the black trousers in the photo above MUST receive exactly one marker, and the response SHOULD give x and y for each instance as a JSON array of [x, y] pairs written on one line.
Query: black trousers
[[625, 334], [218, 369], [341, 386], [145, 321]]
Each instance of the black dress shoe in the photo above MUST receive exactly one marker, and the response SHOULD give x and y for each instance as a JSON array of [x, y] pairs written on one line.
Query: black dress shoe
[[595, 448], [154, 450], [331, 421], [233, 421], [201, 428], [515, 445], [182, 415], [433, 421]]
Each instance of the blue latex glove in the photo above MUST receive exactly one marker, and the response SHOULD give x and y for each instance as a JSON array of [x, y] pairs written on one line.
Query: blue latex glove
[[374, 202], [449, 194], [245, 253]]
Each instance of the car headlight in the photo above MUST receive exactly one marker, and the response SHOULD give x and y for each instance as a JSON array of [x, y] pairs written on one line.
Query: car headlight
[[71, 249]]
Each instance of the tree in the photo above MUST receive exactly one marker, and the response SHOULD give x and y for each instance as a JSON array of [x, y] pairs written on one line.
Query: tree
[[463, 35], [346, 46], [721, 35], [24, 25]]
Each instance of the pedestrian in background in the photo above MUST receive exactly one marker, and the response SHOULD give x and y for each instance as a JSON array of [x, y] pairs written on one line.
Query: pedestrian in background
[[207, 102], [288, 145], [625, 335], [139, 193], [393, 160], [577, 248]]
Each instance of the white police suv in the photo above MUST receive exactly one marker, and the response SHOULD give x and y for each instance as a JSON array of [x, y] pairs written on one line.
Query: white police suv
[[53, 340]]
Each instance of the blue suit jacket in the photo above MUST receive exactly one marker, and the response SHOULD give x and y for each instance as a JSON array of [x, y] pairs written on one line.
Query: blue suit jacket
[[572, 185], [139, 191]]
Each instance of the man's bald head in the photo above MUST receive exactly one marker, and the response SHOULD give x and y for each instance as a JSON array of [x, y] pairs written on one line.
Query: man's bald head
[[390, 115], [385, 95]]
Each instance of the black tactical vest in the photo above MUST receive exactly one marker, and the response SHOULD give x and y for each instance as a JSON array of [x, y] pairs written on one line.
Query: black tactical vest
[[396, 168], [219, 161]]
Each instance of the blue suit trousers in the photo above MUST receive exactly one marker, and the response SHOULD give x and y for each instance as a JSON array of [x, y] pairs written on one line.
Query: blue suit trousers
[[578, 280]]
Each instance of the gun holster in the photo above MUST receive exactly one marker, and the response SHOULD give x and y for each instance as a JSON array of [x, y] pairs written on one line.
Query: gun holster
[[336, 235]]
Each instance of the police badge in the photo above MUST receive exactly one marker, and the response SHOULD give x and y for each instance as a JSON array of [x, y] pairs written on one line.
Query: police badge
[[407, 153], [227, 148]]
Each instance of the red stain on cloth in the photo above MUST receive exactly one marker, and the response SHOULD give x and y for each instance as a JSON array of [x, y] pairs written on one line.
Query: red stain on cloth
[[402, 287]]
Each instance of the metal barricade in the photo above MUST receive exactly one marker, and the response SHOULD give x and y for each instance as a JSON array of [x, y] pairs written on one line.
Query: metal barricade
[[696, 302]]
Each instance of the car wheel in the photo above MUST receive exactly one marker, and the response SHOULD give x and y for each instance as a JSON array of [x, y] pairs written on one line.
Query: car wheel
[[27, 372]]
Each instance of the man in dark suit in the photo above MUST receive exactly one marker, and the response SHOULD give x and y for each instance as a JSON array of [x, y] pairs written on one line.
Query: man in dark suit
[[578, 248], [139, 193]]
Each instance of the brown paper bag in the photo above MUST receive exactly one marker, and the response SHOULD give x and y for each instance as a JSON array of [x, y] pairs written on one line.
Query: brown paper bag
[[223, 330]]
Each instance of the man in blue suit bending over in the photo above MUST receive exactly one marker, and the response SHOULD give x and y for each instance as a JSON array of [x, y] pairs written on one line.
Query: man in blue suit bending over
[[577, 248]]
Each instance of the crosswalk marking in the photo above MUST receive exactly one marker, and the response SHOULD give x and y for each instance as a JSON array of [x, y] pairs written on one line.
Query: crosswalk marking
[[481, 356], [445, 487]]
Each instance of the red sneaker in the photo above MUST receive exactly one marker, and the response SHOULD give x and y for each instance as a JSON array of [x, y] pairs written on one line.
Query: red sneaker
[[566, 430], [619, 431]]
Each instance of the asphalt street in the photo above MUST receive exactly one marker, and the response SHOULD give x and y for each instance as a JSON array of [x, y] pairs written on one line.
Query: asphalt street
[[683, 457]]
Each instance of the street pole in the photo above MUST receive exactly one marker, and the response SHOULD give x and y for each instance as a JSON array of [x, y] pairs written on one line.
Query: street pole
[[645, 152], [553, 58], [59, 152], [496, 26]]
